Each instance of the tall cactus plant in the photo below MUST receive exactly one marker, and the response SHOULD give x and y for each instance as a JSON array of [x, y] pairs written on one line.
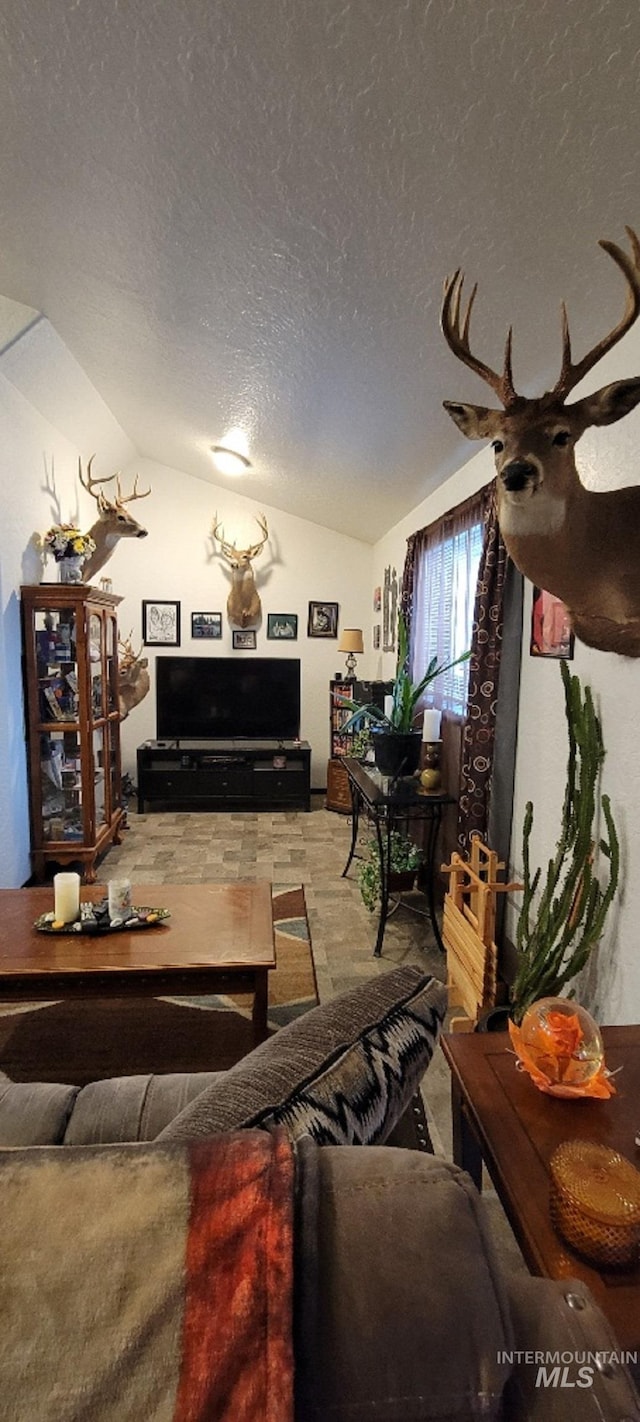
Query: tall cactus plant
[[558, 928]]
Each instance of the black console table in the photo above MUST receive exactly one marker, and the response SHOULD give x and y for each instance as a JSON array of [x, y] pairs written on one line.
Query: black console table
[[224, 775], [389, 804]]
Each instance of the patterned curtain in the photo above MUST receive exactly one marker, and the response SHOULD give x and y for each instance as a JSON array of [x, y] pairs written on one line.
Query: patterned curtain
[[478, 740], [479, 732]]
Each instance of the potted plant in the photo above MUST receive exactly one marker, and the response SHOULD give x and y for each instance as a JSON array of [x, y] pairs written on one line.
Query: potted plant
[[562, 920], [404, 860], [396, 742]]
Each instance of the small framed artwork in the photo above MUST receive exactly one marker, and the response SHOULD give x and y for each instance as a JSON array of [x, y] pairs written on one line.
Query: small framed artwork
[[376, 637], [161, 624], [551, 634], [206, 624], [377, 599], [244, 641], [282, 626], [323, 619]]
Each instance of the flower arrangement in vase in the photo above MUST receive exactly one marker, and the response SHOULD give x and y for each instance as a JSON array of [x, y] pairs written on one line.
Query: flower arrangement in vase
[[69, 546]]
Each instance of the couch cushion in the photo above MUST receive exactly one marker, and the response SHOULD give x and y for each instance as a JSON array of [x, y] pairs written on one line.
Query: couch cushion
[[132, 1108], [342, 1074], [34, 1113]]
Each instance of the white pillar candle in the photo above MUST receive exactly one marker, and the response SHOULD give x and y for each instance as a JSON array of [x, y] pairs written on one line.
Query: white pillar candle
[[388, 706], [431, 725], [66, 891]]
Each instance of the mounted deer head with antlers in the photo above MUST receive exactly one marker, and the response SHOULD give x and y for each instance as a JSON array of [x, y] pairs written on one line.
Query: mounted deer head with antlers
[[114, 520], [582, 546], [243, 603], [133, 676]]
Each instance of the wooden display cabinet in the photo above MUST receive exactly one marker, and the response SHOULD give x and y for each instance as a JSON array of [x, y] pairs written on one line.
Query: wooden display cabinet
[[70, 644]]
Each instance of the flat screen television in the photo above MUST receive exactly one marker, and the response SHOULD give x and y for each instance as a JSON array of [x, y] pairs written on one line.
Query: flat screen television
[[228, 698]]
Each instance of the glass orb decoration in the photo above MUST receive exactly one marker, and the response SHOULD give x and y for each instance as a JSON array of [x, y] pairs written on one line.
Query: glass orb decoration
[[563, 1042]]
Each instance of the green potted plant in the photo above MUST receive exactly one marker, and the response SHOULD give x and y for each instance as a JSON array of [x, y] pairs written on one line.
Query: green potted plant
[[562, 920], [395, 740], [404, 860]]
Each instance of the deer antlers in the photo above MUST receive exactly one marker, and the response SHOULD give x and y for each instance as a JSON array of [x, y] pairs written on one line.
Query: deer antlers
[[456, 331], [239, 555], [102, 501], [457, 339], [129, 657], [570, 374]]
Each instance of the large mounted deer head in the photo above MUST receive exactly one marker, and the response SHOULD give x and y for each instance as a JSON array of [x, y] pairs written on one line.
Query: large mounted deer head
[[243, 603], [582, 546], [114, 520]]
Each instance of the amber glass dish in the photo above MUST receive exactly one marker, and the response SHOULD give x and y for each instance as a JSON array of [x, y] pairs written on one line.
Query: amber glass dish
[[595, 1202]]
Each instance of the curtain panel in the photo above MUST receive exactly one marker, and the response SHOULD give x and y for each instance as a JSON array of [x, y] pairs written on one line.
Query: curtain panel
[[472, 784]]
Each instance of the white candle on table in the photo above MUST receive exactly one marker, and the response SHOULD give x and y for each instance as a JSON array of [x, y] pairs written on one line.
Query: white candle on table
[[388, 706], [66, 892], [431, 725]]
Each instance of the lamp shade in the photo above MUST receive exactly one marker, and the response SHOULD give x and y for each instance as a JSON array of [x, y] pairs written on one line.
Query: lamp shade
[[351, 640]]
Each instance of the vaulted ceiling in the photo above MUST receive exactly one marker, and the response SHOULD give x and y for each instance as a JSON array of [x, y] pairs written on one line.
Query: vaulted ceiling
[[240, 213]]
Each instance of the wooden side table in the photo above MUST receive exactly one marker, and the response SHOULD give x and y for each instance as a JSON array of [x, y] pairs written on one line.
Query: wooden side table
[[501, 1118]]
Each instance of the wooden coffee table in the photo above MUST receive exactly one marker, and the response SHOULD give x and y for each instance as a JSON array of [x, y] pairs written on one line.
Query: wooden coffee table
[[219, 939], [499, 1116]]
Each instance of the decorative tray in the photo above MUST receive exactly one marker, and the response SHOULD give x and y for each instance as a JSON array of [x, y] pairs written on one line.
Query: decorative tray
[[94, 919]]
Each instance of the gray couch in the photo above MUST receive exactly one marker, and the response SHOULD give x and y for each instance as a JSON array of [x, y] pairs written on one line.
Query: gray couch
[[402, 1308]]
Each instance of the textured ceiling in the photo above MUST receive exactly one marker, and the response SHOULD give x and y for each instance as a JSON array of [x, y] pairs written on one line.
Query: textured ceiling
[[240, 212]]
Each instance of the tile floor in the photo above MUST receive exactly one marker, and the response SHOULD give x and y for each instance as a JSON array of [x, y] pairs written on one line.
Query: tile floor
[[309, 849]]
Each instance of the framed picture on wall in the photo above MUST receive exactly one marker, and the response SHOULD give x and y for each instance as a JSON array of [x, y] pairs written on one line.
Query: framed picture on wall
[[206, 624], [551, 634], [244, 641], [376, 637], [323, 619], [282, 626], [160, 624]]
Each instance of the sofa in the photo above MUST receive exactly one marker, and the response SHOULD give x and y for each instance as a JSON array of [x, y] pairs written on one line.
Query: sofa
[[225, 1250]]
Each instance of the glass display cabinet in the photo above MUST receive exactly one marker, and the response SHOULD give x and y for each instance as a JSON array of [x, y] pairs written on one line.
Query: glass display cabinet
[[70, 641]]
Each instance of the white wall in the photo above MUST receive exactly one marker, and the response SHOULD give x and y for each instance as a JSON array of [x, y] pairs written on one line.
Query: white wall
[[34, 454], [301, 562], [607, 458]]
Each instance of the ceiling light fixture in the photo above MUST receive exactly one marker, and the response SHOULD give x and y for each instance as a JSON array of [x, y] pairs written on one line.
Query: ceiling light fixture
[[229, 461]]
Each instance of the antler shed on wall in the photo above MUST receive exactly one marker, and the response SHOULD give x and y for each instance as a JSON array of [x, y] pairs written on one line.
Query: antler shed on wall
[[581, 545]]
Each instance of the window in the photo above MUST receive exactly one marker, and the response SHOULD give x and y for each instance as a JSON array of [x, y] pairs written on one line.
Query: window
[[446, 576]]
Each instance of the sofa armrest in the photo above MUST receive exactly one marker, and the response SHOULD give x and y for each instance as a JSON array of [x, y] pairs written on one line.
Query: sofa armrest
[[401, 1312], [560, 1319]]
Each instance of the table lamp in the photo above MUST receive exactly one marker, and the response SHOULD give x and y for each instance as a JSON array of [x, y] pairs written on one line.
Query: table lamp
[[351, 642]]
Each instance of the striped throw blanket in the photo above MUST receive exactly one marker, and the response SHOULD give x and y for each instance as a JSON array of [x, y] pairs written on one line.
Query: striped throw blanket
[[148, 1282]]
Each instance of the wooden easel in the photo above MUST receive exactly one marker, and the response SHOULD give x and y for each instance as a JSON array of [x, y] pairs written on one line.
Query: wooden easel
[[468, 931]]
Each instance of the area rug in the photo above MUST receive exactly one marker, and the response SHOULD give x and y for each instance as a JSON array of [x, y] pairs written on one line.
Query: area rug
[[77, 1042]]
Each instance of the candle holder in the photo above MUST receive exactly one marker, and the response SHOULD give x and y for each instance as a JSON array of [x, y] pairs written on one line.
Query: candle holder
[[430, 774]]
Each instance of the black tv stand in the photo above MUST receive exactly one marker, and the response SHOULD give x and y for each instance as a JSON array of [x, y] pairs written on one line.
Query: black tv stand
[[224, 775]]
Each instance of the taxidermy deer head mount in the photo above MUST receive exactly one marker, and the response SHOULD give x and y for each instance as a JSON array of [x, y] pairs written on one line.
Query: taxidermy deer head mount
[[243, 603], [133, 676], [114, 520], [582, 546]]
